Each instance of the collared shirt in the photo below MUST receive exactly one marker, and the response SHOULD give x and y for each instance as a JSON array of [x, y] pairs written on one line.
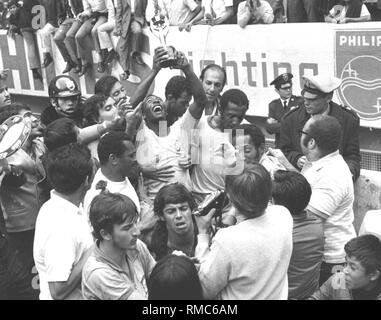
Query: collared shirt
[[62, 237], [332, 199], [104, 279], [124, 187]]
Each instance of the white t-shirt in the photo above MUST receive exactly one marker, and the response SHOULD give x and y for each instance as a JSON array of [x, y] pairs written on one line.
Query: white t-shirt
[[62, 236], [177, 11], [211, 166], [154, 152], [332, 199], [218, 7], [364, 12], [124, 187]]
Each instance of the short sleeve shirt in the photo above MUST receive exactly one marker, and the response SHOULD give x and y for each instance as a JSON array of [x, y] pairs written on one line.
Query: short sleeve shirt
[[154, 152], [103, 279], [62, 237], [332, 199]]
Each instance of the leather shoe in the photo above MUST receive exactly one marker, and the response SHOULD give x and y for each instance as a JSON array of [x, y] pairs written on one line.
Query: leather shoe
[[36, 74], [101, 67], [69, 65], [78, 67], [47, 60], [86, 67], [112, 55]]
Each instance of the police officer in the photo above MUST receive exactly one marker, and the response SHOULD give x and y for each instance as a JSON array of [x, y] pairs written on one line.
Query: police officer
[[65, 99], [317, 94], [279, 107]]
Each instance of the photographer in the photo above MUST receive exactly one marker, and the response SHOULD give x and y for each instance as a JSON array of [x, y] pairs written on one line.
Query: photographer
[[235, 266], [254, 12]]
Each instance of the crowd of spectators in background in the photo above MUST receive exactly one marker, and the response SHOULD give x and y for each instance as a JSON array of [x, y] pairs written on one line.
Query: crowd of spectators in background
[[115, 26]]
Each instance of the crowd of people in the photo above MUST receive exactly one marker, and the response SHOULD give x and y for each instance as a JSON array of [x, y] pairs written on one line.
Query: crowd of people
[[116, 26], [115, 197]]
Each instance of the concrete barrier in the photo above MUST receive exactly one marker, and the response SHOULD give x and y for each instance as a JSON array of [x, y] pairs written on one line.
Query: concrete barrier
[[367, 195]]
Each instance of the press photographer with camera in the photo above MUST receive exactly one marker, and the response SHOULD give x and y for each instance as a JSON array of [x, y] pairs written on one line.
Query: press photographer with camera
[[249, 260]]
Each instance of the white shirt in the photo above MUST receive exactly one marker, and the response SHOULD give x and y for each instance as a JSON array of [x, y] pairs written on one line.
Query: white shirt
[[248, 261], [218, 7], [332, 199], [211, 166], [111, 10], [62, 236], [177, 11], [154, 152], [90, 6], [124, 187]]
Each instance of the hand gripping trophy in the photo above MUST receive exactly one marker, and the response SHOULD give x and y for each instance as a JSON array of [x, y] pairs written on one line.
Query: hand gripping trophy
[[160, 28]]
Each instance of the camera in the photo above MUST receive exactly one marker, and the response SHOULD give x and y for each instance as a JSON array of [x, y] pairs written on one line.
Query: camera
[[215, 200]]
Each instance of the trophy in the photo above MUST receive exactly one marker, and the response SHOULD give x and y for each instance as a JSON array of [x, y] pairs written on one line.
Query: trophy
[[160, 28]]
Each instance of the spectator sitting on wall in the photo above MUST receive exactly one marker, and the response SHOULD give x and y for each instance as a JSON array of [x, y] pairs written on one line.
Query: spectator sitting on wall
[[348, 11], [254, 12], [213, 12], [21, 22], [179, 13]]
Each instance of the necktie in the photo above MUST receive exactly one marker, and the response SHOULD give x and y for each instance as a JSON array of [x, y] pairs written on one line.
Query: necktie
[[285, 104]]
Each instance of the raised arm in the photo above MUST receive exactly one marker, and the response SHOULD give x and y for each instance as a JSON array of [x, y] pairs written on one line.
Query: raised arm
[[142, 89], [199, 98]]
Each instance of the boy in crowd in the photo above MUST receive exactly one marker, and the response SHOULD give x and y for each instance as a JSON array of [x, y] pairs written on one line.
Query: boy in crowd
[[360, 279]]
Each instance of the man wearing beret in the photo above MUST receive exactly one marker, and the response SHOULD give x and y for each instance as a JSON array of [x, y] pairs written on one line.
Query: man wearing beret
[[279, 107], [317, 94]]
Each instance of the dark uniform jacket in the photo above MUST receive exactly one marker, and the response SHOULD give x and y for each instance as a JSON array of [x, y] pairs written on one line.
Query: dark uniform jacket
[[295, 120], [277, 111], [49, 114]]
